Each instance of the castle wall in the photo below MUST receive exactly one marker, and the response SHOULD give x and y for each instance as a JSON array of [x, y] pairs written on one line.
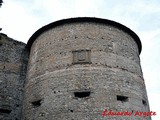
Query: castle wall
[[77, 70], [13, 63]]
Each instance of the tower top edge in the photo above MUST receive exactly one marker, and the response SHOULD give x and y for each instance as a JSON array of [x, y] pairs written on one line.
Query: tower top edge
[[81, 20]]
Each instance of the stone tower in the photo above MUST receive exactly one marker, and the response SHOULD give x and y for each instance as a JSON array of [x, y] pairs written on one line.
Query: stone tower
[[79, 67]]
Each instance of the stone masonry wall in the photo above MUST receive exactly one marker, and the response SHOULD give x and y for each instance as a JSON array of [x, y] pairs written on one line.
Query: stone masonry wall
[[13, 62], [75, 71]]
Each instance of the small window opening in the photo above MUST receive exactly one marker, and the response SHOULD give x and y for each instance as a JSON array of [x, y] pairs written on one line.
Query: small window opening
[[82, 94], [71, 110], [6, 111], [17, 105], [36, 103], [144, 102], [122, 98]]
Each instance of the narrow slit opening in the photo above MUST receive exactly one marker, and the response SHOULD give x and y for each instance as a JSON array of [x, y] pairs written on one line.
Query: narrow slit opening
[[144, 102], [5, 111], [36, 103], [122, 98], [82, 94]]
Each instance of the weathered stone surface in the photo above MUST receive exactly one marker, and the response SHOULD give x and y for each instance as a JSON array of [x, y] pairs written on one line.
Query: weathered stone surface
[[75, 71], [53, 78], [13, 61]]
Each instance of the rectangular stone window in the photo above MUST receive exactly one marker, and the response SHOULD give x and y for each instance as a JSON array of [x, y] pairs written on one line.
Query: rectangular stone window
[[82, 94], [122, 98], [81, 57]]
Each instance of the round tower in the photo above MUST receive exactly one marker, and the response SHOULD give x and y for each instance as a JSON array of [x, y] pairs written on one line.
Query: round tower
[[82, 68]]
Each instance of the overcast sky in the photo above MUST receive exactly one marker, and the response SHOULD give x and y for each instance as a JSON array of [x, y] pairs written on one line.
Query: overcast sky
[[19, 19]]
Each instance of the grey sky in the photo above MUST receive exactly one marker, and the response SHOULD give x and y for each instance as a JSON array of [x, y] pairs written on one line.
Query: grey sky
[[21, 18]]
